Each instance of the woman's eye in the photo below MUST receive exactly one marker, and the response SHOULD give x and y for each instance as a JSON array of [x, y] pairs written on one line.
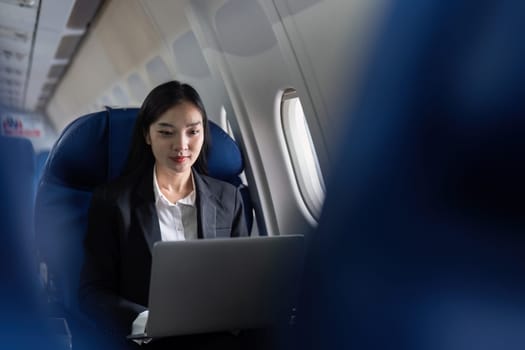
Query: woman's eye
[[165, 133], [194, 132]]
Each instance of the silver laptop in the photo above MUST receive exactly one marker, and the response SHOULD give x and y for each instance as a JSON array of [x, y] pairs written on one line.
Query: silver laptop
[[213, 285]]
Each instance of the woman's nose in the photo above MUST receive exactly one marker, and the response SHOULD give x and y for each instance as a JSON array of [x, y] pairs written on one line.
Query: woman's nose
[[179, 143]]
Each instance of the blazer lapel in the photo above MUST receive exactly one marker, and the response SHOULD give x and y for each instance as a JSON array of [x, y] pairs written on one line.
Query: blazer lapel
[[206, 208], [146, 212]]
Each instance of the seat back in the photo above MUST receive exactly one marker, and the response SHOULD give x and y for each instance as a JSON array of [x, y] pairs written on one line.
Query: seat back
[[40, 161], [91, 151], [421, 240], [16, 215]]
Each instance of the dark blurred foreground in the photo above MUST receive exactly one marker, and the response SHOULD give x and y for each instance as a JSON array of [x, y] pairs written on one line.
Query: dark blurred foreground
[[422, 241]]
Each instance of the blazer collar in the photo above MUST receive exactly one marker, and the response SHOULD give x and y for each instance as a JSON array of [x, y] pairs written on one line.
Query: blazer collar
[[145, 209], [206, 204]]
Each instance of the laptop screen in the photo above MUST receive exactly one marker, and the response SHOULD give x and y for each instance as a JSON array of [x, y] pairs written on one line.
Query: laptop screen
[[212, 285]]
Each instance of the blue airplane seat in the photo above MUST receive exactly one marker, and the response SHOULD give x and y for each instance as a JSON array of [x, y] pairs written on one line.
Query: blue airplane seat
[[228, 168], [40, 162], [91, 151], [17, 264]]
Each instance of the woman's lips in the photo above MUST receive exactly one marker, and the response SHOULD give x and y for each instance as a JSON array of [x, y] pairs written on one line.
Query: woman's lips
[[179, 159]]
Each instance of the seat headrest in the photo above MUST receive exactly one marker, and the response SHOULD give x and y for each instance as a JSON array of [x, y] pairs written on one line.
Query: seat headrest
[[93, 149], [225, 160], [17, 150]]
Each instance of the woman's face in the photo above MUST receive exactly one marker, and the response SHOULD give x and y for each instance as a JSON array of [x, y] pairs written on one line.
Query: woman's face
[[176, 138]]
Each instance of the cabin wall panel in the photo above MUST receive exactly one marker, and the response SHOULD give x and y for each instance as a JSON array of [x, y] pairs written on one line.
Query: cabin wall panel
[[325, 43], [254, 72], [126, 34], [168, 17]]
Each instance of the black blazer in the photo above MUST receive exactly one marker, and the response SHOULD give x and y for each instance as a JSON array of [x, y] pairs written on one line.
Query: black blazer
[[122, 227]]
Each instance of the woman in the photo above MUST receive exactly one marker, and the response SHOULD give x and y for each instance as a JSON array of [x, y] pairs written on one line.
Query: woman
[[163, 194]]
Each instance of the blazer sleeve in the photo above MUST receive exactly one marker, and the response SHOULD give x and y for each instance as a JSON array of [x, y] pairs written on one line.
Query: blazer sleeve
[[239, 227], [99, 279]]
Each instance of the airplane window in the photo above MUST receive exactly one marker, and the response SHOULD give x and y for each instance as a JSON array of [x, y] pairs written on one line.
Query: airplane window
[[302, 153], [105, 102], [158, 71], [137, 87], [120, 96]]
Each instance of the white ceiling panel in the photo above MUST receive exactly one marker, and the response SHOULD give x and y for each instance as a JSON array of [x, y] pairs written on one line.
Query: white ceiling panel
[[30, 33]]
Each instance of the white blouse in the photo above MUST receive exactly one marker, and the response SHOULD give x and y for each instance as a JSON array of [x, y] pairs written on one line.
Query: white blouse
[[177, 221]]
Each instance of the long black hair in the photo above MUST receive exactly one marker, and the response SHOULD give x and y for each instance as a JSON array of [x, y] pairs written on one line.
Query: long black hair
[[158, 101]]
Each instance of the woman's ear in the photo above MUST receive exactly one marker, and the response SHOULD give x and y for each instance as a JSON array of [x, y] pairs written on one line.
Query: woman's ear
[[147, 138]]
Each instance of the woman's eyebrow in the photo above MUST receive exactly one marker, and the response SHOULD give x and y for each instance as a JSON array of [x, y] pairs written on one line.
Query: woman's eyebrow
[[164, 124], [193, 124]]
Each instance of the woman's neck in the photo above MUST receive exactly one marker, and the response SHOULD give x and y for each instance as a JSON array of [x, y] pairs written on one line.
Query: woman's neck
[[172, 183]]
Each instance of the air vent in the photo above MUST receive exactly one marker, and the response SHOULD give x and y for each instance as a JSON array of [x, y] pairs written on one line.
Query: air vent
[[10, 93], [21, 3], [11, 82], [27, 3], [9, 55], [12, 71], [13, 34], [24, 37]]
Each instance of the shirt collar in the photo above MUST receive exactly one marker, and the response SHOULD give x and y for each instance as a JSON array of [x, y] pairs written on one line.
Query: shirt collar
[[188, 200]]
